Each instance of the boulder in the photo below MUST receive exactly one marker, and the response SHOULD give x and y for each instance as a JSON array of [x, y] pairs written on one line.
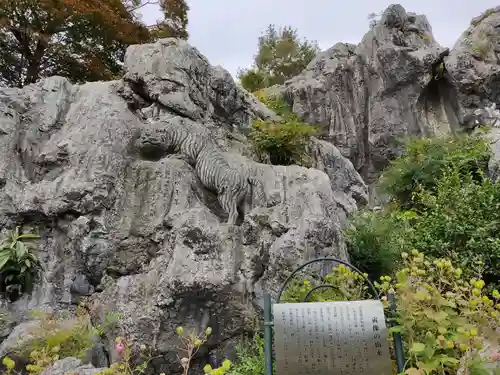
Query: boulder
[[474, 62], [143, 237], [71, 366], [366, 97]]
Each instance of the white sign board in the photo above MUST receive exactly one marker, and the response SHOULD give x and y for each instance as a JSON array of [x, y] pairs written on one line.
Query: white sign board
[[331, 338]]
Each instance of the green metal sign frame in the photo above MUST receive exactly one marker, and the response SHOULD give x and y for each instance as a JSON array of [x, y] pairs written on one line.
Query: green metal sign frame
[[268, 318]]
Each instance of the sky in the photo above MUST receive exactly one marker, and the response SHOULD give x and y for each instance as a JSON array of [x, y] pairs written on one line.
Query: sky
[[226, 31]]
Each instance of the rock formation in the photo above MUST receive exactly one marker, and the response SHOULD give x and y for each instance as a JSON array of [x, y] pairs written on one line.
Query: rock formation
[[367, 97], [142, 236], [139, 234], [474, 61]]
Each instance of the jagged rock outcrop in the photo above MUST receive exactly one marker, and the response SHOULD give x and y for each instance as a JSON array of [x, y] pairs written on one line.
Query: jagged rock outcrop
[[366, 97], [474, 62], [141, 236]]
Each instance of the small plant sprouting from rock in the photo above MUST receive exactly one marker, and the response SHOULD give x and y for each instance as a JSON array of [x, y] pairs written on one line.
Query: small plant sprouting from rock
[[109, 323], [476, 21], [56, 337], [281, 142], [9, 365], [191, 343], [129, 363], [18, 261]]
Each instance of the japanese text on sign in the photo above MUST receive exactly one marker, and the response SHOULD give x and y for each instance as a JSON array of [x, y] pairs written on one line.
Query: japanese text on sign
[[321, 338]]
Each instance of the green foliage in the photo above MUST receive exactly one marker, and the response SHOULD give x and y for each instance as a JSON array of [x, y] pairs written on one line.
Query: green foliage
[[175, 22], [442, 316], [425, 159], [190, 344], [253, 79], [18, 261], [281, 142], [347, 286], [110, 323], [444, 204], [250, 357], [57, 337], [461, 220], [375, 239], [458, 218], [129, 362], [281, 55], [79, 40]]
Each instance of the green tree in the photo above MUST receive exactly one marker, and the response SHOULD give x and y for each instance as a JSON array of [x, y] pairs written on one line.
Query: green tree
[[83, 40], [444, 203], [281, 55], [174, 22]]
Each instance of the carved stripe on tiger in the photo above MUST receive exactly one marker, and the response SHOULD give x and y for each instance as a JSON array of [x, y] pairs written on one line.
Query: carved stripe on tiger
[[233, 186]]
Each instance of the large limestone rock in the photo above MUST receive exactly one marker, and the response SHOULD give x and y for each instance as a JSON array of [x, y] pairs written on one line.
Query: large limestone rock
[[474, 62], [143, 237], [366, 97]]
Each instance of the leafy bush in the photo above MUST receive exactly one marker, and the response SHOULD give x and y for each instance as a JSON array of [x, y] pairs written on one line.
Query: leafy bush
[[57, 337], [284, 142], [442, 316], [461, 221], [424, 161], [375, 239], [250, 357], [252, 79], [443, 204], [458, 219], [18, 261], [347, 285]]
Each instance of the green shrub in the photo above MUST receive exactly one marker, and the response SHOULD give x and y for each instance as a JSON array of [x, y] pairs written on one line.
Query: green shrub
[[57, 337], [252, 79], [424, 161], [458, 218], [375, 239], [461, 221], [284, 142], [346, 286], [250, 357], [18, 261], [441, 315]]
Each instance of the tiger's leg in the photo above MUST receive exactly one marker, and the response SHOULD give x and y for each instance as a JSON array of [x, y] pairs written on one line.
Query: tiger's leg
[[246, 201], [229, 204]]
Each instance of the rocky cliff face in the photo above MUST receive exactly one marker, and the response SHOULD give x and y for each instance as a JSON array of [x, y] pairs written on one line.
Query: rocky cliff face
[[142, 236], [397, 82]]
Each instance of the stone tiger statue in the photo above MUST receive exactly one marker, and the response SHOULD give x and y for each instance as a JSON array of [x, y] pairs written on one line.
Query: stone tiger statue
[[234, 188]]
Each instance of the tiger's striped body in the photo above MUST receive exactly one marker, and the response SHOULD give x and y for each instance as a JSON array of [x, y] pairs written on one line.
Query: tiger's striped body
[[233, 187]]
